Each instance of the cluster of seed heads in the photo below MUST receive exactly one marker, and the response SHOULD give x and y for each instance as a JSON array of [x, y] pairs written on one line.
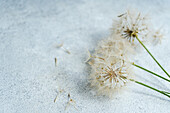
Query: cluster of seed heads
[[110, 61], [109, 69]]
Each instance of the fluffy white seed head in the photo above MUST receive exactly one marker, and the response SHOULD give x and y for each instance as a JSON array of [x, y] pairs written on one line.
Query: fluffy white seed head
[[109, 74], [115, 46], [157, 37], [131, 24]]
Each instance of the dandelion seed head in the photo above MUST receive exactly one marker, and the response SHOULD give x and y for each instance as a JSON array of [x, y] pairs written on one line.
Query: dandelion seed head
[[115, 46], [157, 37], [131, 24], [109, 74]]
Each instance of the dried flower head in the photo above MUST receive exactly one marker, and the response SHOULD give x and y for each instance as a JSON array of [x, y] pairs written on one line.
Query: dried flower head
[[157, 37], [109, 74], [115, 46], [131, 24]]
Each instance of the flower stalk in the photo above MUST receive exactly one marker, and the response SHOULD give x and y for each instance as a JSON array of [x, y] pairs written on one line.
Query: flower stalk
[[159, 91], [150, 72], [152, 56]]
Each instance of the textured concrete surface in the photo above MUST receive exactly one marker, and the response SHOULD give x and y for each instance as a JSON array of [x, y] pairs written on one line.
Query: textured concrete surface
[[29, 33]]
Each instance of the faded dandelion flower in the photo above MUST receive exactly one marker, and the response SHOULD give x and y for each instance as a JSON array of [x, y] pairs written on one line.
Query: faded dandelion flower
[[132, 24], [115, 46], [157, 37], [109, 74]]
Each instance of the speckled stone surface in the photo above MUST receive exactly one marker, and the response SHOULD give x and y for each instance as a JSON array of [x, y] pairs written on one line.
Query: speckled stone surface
[[30, 30]]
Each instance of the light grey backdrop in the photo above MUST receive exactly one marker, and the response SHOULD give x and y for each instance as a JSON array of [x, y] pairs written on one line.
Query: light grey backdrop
[[29, 32]]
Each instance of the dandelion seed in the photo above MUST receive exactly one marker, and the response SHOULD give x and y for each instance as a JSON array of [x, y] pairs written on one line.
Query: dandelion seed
[[70, 102], [55, 98], [89, 56], [55, 61], [58, 93], [67, 51], [91, 62], [61, 46], [121, 15]]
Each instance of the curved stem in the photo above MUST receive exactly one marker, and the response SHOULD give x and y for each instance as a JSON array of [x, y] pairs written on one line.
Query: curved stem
[[162, 92], [150, 72], [152, 56]]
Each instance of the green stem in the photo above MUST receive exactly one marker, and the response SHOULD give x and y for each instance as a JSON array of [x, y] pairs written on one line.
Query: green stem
[[166, 92], [152, 56], [150, 72], [162, 92]]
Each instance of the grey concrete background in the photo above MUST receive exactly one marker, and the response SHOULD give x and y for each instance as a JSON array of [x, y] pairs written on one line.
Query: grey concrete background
[[29, 80]]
